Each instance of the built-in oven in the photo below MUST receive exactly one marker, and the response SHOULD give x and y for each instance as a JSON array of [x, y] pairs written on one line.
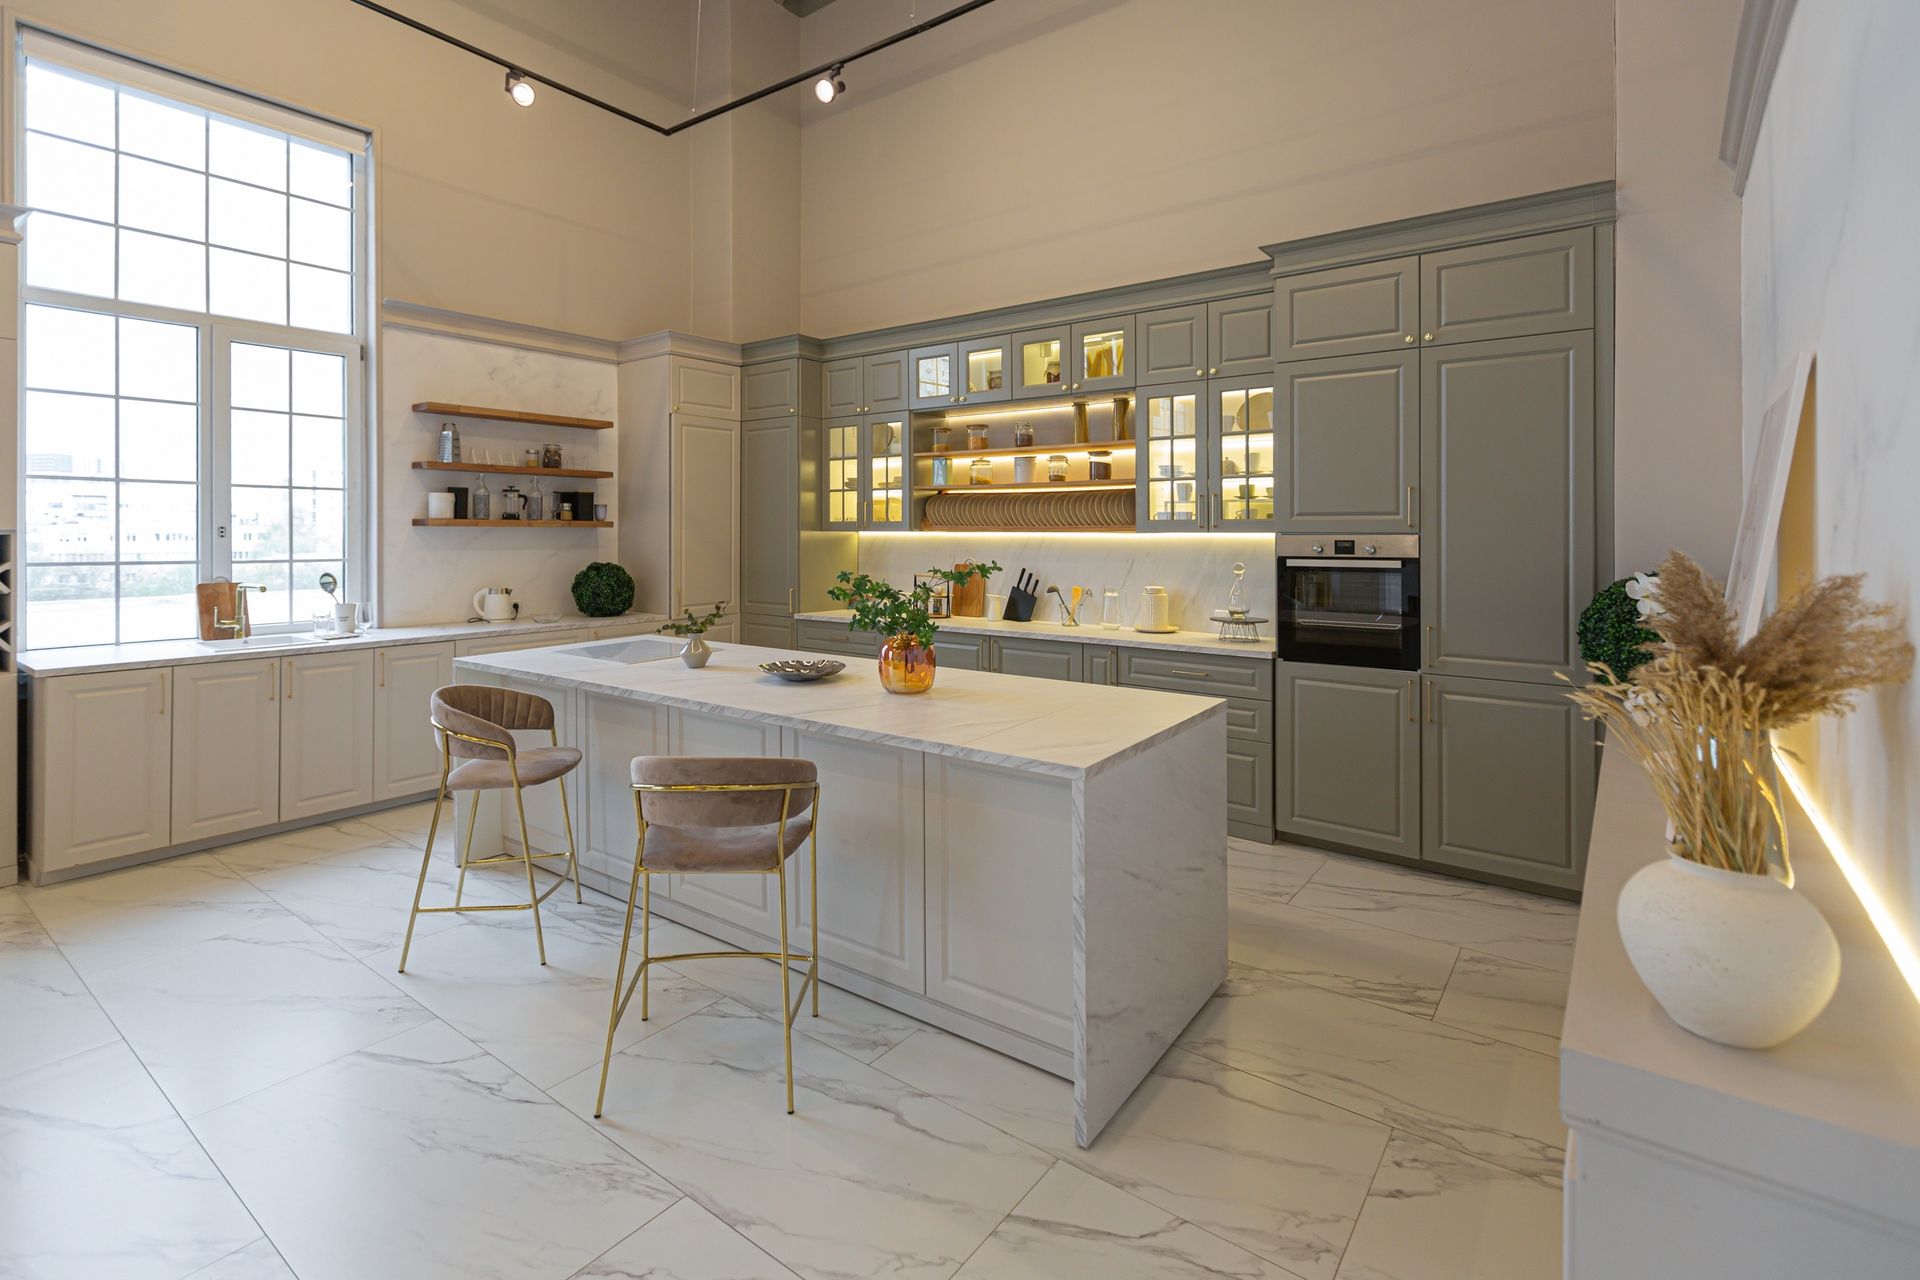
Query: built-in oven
[[1352, 602]]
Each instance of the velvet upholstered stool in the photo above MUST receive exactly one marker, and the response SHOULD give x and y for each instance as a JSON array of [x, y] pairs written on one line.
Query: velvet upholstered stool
[[721, 815], [476, 724]]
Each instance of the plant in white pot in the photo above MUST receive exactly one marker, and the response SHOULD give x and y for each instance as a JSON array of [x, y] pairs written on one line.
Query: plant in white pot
[[694, 630], [1715, 929]]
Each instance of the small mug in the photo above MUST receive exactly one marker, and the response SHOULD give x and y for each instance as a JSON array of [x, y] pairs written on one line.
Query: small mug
[[346, 618], [440, 506], [599, 511], [996, 605]]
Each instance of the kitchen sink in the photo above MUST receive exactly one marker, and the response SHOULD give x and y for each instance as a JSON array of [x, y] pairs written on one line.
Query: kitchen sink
[[629, 651], [256, 642]]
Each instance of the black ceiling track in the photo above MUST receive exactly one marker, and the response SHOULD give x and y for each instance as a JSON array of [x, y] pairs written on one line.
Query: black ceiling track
[[668, 130]]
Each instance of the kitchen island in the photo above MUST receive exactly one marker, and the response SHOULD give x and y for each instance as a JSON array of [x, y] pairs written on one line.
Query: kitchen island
[[1035, 865]]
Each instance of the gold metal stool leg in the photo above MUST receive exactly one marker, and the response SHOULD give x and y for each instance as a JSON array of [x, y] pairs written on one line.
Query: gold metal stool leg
[[526, 858], [786, 975], [634, 890], [426, 859], [466, 853]]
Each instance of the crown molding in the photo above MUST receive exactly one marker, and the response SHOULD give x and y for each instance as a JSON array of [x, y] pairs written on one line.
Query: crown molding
[[795, 346], [440, 322], [1429, 233], [671, 342], [1756, 56]]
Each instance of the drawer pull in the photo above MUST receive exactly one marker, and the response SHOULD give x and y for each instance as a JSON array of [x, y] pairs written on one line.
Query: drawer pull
[[1410, 716], [289, 679], [1188, 671], [163, 694]]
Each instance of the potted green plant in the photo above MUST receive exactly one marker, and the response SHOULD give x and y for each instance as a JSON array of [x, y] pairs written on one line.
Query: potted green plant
[[903, 619], [696, 651]]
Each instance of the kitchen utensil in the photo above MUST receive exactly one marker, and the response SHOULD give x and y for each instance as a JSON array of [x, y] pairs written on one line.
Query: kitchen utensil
[[216, 601], [1066, 610], [329, 583], [346, 618], [1110, 611], [513, 503], [495, 604], [1237, 593], [799, 670], [439, 506], [449, 448], [1156, 610], [1239, 628], [996, 605], [1080, 594], [1023, 597], [970, 597]]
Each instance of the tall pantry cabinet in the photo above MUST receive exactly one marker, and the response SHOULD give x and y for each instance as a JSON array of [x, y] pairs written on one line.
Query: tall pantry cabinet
[[1454, 392]]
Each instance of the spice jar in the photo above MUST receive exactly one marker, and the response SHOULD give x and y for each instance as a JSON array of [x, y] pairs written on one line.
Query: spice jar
[[1023, 434], [1100, 464], [1057, 466], [981, 471], [550, 456], [976, 435], [942, 439]]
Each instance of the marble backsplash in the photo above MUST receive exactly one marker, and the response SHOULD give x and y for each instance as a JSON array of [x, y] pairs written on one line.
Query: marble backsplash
[[430, 574], [1196, 569]]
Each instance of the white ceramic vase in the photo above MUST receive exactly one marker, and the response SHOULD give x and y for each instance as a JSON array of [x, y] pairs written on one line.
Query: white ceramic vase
[[1739, 959], [697, 651]]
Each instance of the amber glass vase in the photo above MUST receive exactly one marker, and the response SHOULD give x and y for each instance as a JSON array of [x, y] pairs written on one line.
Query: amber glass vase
[[906, 665]]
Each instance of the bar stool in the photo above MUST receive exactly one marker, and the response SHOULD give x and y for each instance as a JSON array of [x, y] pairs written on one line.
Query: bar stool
[[476, 724], [723, 815]]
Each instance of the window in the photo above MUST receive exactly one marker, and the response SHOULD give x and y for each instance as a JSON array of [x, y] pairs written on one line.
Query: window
[[191, 350]]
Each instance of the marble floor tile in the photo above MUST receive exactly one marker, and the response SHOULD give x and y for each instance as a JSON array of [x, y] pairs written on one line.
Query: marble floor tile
[[852, 1024], [426, 1157], [1074, 1225], [685, 1243], [101, 1179], [46, 1012], [1480, 1096], [1339, 953], [1507, 1000], [868, 1178], [107, 920], [1434, 1212], [258, 1261], [1272, 1170], [1504, 922], [546, 1022], [408, 821], [290, 848], [1268, 872], [216, 1020]]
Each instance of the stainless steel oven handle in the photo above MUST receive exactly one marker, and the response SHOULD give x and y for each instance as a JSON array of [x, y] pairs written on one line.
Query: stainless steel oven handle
[[1356, 562], [1349, 626]]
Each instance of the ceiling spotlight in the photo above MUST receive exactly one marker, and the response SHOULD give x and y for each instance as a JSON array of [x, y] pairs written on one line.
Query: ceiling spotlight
[[829, 86], [519, 88]]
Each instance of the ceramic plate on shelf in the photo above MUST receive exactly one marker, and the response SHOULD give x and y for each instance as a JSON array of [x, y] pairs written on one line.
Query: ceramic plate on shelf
[[799, 669]]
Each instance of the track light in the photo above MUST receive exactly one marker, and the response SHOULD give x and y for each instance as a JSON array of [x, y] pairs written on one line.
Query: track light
[[829, 86], [519, 88]]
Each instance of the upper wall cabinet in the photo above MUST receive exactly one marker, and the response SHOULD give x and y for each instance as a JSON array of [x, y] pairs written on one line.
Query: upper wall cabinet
[[1536, 284], [1221, 339], [778, 388], [866, 384], [931, 371], [840, 482], [1041, 361], [887, 383], [1349, 455], [702, 386], [843, 388], [1347, 310], [1103, 355], [982, 367], [1173, 344], [1240, 337]]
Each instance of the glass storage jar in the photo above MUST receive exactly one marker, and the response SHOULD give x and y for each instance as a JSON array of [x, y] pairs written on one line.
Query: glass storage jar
[[1057, 466], [1100, 464], [981, 471], [976, 435], [1023, 434]]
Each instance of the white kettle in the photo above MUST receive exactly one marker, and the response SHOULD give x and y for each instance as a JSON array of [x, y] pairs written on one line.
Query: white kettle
[[495, 604]]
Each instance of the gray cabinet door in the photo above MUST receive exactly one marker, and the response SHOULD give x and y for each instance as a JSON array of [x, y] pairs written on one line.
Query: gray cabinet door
[[984, 369], [1172, 464], [1173, 345], [1508, 774], [1348, 430], [963, 652], [770, 390], [1047, 659], [1240, 336], [1241, 463], [843, 388], [934, 378], [1506, 555], [1536, 284], [1347, 757], [1099, 664], [1347, 310], [887, 383], [767, 631], [1103, 354], [1250, 789], [1042, 362], [886, 462], [769, 516], [842, 486]]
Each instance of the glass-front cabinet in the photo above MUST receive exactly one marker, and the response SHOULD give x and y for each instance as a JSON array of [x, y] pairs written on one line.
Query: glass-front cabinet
[[930, 373], [1170, 477], [1041, 362], [841, 491], [1101, 352], [1241, 413], [886, 472], [982, 367]]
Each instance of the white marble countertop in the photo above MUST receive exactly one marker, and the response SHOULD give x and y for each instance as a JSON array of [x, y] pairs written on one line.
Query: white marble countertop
[[1833, 1113], [1043, 726], [1091, 633], [81, 659]]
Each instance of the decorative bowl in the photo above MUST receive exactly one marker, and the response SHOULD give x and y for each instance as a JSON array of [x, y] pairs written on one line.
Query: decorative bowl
[[799, 669], [546, 617]]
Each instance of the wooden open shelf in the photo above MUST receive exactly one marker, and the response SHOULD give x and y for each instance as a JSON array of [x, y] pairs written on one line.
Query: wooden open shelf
[[496, 470], [514, 524], [511, 415], [1036, 487], [1037, 450]]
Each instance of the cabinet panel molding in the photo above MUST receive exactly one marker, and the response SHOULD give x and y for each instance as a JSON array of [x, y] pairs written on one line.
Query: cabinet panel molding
[[226, 748], [1347, 310], [326, 722]]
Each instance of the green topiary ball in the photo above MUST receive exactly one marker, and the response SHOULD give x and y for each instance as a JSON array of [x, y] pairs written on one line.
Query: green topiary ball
[[1612, 630], [603, 589]]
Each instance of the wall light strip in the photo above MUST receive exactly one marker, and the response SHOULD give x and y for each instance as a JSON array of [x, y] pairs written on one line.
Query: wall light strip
[[1899, 945]]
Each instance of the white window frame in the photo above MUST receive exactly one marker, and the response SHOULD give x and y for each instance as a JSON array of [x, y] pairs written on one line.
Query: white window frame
[[214, 493]]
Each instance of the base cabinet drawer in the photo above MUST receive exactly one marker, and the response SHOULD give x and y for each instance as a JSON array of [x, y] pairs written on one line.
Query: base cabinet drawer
[[835, 638], [1043, 659], [1347, 757], [963, 653], [767, 631], [1204, 674]]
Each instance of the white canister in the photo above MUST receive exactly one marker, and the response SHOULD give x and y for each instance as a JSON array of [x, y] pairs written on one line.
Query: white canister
[[439, 506], [1155, 611], [346, 618]]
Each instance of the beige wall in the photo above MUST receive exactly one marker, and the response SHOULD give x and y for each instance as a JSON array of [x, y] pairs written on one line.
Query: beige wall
[[1829, 264], [1676, 288], [1054, 146], [560, 216]]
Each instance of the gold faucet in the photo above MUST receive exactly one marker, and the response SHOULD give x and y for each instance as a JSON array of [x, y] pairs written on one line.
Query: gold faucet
[[240, 624]]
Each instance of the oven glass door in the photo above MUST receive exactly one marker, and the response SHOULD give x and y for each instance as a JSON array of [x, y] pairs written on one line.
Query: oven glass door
[[1356, 613]]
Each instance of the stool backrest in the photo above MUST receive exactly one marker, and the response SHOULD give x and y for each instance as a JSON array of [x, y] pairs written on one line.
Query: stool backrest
[[483, 711], [705, 808]]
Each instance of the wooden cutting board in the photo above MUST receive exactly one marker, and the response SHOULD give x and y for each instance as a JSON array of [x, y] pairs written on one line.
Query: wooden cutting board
[[970, 597], [221, 598]]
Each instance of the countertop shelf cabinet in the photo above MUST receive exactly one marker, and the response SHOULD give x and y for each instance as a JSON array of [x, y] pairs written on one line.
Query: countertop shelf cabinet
[[525, 416], [494, 469]]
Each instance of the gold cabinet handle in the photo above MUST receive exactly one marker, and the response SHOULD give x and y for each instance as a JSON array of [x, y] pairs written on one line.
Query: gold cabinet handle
[[1201, 373], [1426, 337], [163, 694], [1428, 686], [380, 668], [1409, 338], [273, 682], [289, 679], [1410, 718], [792, 604], [1189, 671], [1211, 372], [1410, 489], [1426, 646]]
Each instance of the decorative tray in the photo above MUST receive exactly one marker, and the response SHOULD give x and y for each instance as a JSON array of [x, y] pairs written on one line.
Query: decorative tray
[[799, 669]]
